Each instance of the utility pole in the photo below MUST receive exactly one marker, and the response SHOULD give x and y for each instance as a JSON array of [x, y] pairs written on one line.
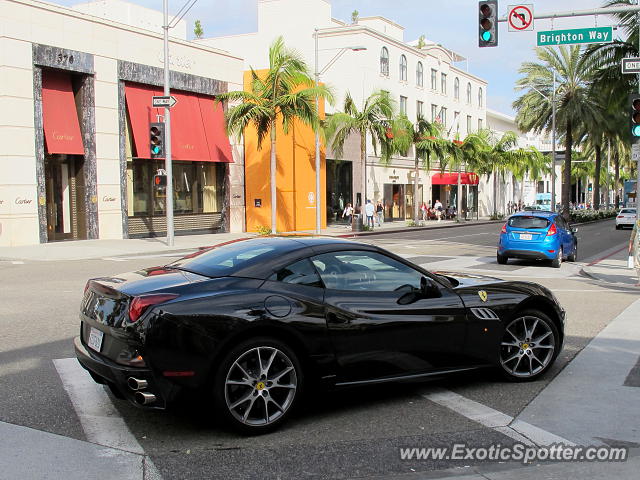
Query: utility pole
[[167, 129], [553, 144]]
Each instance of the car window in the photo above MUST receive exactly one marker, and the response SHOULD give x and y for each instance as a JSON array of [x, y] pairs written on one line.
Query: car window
[[299, 273], [560, 222], [526, 221], [365, 271], [628, 210]]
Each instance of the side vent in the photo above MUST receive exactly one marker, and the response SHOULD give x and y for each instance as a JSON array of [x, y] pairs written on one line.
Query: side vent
[[485, 314]]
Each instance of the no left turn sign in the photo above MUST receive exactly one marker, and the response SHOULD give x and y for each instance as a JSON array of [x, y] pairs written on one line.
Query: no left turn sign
[[520, 18]]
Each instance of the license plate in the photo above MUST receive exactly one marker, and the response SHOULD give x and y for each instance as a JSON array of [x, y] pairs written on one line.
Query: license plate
[[525, 236], [95, 339]]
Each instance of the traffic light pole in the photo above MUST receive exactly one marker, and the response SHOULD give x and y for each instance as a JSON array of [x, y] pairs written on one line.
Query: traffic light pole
[[638, 164], [167, 129]]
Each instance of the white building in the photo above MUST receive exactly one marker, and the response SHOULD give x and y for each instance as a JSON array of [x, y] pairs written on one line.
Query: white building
[[361, 58], [76, 95]]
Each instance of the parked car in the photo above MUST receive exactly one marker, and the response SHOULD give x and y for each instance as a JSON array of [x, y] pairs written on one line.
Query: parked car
[[625, 218], [252, 323], [537, 235]]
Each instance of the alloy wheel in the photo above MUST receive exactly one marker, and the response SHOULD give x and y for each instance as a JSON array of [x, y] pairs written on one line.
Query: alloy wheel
[[260, 386], [527, 347]]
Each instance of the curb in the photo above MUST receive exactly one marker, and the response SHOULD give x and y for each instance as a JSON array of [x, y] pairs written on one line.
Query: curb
[[415, 229]]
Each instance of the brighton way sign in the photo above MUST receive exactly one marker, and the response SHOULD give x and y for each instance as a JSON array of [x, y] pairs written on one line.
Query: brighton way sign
[[576, 35]]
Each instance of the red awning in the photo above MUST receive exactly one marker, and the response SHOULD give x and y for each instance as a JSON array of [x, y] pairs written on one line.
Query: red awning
[[195, 125], [466, 178], [59, 115], [217, 139]]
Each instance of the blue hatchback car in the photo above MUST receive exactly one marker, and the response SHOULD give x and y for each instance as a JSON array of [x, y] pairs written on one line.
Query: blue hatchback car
[[537, 235]]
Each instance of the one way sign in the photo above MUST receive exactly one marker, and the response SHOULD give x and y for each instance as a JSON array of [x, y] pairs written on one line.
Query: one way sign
[[631, 65], [164, 101]]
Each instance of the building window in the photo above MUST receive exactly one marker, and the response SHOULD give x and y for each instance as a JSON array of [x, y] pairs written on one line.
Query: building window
[[403, 105], [456, 121], [443, 116], [419, 75], [479, 124], [456, 88], [434, 112], [419, 109], [469, 93], [540, 186], [434, 81], [403, 68], [384, 62], [443, 83], [468, 124], [480, 97]]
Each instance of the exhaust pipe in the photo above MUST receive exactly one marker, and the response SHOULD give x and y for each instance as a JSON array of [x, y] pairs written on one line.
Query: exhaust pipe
[[137, 384], [144, 398]]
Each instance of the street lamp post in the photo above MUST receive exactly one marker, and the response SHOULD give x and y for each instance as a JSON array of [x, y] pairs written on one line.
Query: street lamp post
[[167, 121], [317, 73]]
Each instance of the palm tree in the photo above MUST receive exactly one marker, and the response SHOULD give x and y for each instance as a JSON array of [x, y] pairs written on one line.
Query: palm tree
[[574, 102], [375, 119], [284, 93], [428, 142]]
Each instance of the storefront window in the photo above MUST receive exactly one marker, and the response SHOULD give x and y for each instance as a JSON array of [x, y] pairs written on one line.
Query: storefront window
[[197, 188]]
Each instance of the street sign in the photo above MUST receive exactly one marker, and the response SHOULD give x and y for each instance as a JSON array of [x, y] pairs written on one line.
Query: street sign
[[635, 152], [520, 18], [631, 65], [164, 101], [576, 35]]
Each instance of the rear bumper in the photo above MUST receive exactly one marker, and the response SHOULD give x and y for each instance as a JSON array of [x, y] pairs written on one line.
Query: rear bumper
[[528, 254], [116, 376]]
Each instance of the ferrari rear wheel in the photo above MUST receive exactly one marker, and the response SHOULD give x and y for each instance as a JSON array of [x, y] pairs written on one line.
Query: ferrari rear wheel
[[258, 385], [529, 346]]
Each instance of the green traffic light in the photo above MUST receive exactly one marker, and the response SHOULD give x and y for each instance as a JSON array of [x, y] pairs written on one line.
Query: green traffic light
[[635, 130], [155, 149], [486, 36]]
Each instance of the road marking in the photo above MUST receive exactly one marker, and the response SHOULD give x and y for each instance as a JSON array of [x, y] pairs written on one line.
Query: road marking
[[517, 429], [100, 420], [17, 262]]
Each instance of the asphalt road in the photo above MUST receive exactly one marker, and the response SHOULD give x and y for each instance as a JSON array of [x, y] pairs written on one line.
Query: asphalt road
[[351, 434]]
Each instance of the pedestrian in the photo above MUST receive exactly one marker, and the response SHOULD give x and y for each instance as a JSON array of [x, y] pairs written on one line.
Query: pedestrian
[[369, 211], [348, 214], [634, 248], [438, 208], [423, 211], [380, 213]]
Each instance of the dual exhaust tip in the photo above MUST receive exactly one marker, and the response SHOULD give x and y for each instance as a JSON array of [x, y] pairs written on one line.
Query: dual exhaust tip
[[137, 385]]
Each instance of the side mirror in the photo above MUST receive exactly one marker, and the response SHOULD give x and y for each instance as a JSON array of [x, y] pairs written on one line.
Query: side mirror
[[574, 230], [429, 289]]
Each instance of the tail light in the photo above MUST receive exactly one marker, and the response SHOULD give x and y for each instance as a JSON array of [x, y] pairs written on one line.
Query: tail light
[[139, 304], [504, 228], [552, 230], [620, 216]]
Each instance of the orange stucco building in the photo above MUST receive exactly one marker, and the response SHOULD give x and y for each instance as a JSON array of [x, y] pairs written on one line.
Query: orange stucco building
[[295, 177]]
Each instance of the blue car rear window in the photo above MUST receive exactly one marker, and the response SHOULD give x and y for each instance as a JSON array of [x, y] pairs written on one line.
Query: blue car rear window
[[528, 222]]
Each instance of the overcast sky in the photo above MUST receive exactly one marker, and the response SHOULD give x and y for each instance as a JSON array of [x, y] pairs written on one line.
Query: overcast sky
[[452, 23]]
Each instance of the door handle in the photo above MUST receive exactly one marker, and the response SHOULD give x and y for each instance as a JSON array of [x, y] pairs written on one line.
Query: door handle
[[337, 319]]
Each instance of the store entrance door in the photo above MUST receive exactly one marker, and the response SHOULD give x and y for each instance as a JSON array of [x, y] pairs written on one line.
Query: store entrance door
[[64, 182]]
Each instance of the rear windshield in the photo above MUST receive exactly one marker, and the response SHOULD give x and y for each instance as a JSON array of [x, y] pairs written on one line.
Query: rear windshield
[[628, 210], [528, 222], [227, 259]]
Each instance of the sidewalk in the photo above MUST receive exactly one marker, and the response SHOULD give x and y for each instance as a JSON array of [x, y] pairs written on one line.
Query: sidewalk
[[87, 249], [612, 269]]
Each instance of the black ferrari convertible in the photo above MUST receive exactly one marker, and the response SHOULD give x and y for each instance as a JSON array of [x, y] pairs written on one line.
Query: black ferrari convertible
[[253, 322]]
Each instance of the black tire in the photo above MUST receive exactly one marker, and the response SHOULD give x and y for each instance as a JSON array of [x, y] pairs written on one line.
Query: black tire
[[544, 324], [225, 395], [618, 227], [574, 256], [557, 262], [502, 260]]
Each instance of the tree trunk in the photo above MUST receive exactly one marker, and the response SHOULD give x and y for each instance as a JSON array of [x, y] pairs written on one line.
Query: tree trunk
[[566, 181], [274, 194], [363, 161], [616, 162], [495, 194], [596, 179], [415, 188]]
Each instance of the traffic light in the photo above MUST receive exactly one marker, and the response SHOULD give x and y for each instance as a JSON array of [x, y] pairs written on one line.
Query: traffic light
[[159, 180], [488, 23], [634, 117], [156, 140]]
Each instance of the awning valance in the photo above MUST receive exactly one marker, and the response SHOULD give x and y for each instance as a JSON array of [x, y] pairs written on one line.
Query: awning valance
[[59, 115], [196, 124], [466, 178]]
